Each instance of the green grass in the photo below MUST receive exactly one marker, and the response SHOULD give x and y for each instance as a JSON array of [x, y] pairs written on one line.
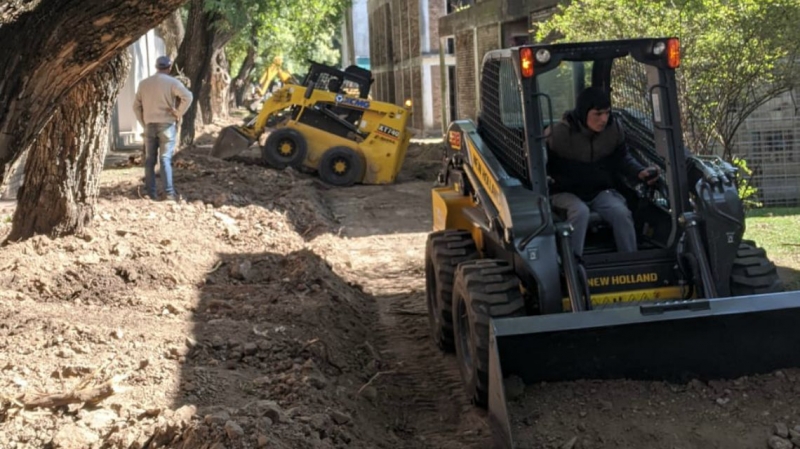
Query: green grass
[[777, 230]]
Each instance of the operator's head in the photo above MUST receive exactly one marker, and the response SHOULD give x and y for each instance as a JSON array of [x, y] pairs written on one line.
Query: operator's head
[[163, 63], [594, 108]]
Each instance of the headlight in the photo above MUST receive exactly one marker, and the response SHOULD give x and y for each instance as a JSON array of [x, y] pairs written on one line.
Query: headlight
[[542, 56]]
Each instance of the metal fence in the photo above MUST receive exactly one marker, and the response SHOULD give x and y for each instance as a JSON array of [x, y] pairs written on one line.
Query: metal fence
[[769, 141]]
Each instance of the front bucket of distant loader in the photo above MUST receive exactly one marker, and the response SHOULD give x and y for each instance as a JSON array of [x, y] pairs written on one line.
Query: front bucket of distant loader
[[722, 338], [230, 142]]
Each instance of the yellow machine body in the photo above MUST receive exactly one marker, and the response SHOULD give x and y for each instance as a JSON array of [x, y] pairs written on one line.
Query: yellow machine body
[[379, 131]]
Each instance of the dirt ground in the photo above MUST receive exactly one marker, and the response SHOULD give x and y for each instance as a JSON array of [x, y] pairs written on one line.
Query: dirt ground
[[269, 310]]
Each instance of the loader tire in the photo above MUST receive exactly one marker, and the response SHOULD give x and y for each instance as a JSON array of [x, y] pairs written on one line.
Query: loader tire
[[753, 273], [483, 289], [341, 167], [284, 148], [444, 250]]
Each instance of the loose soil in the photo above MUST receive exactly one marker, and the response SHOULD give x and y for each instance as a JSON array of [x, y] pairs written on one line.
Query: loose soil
[[267, 309]]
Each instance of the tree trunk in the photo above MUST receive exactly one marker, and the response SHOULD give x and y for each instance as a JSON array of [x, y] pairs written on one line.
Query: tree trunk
[[197, 58], [49, 47], [172, 31], [220, 87], [241, 83], [64, 163]]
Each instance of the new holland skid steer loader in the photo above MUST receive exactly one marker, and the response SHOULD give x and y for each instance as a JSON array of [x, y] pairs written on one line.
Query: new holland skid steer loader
[[504, 289], [321, 126]]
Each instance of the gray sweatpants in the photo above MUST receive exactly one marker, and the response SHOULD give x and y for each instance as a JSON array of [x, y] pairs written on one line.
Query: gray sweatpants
[[610, 205]]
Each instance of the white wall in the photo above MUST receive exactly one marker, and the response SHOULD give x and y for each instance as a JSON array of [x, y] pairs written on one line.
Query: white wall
[[360, 28], [357, 20], [144, 53]]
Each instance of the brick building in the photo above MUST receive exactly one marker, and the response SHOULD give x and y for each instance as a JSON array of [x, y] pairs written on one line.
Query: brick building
[[404, 57], [470, 32], [429, 51]]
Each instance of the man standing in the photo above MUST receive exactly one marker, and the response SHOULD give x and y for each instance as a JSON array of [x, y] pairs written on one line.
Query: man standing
[[156, 109], [586, 151]]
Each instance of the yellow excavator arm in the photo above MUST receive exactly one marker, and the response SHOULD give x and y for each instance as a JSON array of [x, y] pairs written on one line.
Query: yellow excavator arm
[[274, 70]]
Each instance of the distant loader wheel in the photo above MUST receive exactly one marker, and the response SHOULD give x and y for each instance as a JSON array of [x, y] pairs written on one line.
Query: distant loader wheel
[[483, 289], [284, 148], [753, 273], [444, 250], [341, 167]]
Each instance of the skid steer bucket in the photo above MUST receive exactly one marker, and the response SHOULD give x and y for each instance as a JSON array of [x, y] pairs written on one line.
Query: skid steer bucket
[[230, 142], [722, 338]]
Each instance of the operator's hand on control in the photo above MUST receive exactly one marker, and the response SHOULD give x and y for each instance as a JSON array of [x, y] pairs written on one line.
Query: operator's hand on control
[[650, 175]]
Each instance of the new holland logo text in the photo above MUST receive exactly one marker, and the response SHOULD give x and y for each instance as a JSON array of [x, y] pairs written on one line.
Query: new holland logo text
[[391, 132]]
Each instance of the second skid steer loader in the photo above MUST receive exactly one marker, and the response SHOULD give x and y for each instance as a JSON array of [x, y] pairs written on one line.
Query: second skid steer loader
[[328, 125], [504, 288]]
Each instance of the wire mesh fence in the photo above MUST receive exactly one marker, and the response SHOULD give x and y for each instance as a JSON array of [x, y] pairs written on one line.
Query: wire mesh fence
[[770, 143], [501, 118]]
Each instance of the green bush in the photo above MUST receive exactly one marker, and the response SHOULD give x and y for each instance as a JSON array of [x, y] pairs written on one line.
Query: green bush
[[744, 180]]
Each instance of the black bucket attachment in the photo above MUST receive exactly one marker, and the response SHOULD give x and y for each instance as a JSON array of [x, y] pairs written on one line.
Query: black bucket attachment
[[230, 142], [723, 338]]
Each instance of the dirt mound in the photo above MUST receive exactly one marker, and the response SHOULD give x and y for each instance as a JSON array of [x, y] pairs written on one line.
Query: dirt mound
[[184, 325]]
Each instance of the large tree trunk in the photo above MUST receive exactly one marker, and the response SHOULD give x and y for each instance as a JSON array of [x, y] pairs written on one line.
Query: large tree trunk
[[64, 163], [198, 58], [49, 47]]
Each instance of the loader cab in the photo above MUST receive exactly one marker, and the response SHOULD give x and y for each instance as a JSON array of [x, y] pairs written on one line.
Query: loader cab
[[626, 75], [338, 117]]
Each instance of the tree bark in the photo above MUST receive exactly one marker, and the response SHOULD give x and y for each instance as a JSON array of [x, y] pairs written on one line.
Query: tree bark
[[50, 47], [172, 31], [198, 58], [64, 162], [241, 82]]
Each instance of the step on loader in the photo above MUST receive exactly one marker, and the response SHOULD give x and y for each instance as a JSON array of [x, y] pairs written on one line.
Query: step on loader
[[505, 290], [328, 125]]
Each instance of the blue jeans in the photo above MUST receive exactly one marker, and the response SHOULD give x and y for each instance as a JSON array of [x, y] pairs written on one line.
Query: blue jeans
[[611, 206], [159, 138]]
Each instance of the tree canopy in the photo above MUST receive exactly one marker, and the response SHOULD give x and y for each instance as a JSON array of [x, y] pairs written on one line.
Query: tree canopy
[[736, 55], [297, 31]]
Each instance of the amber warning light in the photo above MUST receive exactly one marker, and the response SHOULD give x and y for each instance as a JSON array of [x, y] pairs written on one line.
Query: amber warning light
[[526, 62], [673, 53]]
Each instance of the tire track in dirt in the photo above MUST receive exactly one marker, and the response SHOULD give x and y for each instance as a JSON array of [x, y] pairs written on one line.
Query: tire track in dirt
[[380, 245]]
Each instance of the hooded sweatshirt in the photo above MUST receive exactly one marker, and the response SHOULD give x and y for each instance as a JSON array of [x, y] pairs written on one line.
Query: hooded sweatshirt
[[584, 162]]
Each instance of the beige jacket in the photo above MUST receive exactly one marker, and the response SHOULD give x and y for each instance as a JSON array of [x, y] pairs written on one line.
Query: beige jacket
[[156, 99]]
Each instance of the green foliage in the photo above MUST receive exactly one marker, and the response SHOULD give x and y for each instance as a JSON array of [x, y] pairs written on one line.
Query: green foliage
[[744, 179], [736, 55], [295, 30]]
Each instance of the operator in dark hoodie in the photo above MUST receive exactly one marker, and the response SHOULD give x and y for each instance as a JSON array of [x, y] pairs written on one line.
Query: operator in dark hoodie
[[586, 151]]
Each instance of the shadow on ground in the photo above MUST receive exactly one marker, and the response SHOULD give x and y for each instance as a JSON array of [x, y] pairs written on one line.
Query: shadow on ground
[[289, 355]]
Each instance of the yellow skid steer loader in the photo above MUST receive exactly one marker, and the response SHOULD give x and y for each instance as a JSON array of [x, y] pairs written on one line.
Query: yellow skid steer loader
[[322, 127], [505, 291]]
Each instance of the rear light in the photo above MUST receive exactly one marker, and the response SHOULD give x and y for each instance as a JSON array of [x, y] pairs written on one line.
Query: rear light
[[673, 53], [526, 62]]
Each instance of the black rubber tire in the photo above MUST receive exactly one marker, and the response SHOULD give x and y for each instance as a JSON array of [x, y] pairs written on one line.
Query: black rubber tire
[[753, 273], [483, 289], [444, 250], [353, 167], [272, 151]]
